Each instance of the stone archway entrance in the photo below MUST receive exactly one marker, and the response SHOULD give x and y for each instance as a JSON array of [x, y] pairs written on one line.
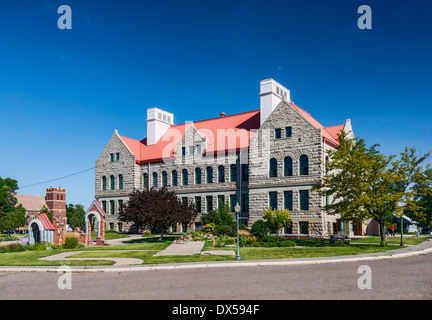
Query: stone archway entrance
[[94, 211], [88, 224], [34, 233]]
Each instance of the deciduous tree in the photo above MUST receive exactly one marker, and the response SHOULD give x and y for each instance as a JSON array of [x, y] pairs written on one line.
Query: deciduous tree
[[365, 183], [158, 209]]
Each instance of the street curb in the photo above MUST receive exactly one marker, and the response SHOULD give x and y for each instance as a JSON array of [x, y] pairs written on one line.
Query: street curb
[[223, 264]]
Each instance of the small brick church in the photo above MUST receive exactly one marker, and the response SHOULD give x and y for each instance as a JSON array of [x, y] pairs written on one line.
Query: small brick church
[[41, 229]]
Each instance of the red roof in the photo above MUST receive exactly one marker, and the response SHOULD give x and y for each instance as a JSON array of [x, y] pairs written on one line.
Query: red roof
[[45, 221], [96, 204], [216, 132]]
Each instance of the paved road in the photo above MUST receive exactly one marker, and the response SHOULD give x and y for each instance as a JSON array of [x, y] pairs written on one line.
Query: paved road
[[402, 278]]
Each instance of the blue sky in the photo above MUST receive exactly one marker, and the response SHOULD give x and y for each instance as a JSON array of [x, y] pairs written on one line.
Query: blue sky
[[63, 92]]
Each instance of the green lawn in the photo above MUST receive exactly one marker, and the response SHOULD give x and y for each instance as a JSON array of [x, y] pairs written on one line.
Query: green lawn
[[109, 235], [30, 258], [392, 240], [310, 248]]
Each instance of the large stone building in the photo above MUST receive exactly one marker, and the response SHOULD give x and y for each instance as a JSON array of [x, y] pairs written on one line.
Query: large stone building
[[263, 158]]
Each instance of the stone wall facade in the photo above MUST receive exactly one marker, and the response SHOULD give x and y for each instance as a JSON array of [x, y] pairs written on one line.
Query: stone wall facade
[[305, 140]]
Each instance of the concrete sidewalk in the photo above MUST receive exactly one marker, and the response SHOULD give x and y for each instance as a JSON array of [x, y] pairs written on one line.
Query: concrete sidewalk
[[185, 248]]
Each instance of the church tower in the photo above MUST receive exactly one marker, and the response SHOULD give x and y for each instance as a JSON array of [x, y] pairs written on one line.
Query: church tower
[[56, 201]]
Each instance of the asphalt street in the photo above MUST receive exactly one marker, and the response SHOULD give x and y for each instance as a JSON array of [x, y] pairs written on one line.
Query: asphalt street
[[407, 278]]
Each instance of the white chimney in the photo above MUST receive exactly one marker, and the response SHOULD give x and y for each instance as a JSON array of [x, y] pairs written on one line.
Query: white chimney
[[158, 122], [271, 94]]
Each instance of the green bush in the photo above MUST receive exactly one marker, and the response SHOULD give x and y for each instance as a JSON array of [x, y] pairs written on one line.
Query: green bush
[[260, 229], [209, 227], [70, 243], [224, 241], [242, 226], [243, 240], [37, 246], [15, 247], [287, 243], [8, 237], [223, 230], [251, 241]]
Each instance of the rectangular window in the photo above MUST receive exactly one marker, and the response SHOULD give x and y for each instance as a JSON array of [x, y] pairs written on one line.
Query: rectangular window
[[288, 230], [221, 200], [209, 203], [278, 133], [191, 150], [288, 200], [120, 206], [288, 132], [198, 204], [273, 200], [104, 207], [120, 227], [245, 172], [111, 207], [118, 156], [112, 157], [304, 227], [183, 151], [304, 199], [198, 149], [245, 202], [233, 201], [184, 199]]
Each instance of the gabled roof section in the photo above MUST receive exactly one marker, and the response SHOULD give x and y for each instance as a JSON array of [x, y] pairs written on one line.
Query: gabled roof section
[[215, 131], [30, 203], [95, 204], [45, 221], [329, 133]]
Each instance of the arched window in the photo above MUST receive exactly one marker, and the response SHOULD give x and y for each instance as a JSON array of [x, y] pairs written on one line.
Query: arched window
[[155, 179], [304, 165], [221, 174], [164, 179], [185, 177], [112, 183], [145, 181], [209, 175], [273, 168], [288, 170], [174, 178], [233, 173], [120, 181], [104, 183], [198, 176]]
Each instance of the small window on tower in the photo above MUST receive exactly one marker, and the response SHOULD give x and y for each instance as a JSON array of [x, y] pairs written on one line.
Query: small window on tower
[[278, 133], [117, 156], [112, 157]]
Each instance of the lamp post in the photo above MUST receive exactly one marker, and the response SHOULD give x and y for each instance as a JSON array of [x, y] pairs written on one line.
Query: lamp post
[[237, 210]]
